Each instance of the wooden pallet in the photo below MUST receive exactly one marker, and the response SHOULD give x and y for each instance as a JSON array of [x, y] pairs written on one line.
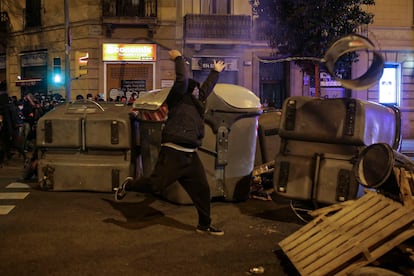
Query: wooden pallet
[[405, 179], [359, 233]]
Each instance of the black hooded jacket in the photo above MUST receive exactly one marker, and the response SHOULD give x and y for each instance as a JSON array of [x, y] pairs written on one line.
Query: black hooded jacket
[[185, 123]]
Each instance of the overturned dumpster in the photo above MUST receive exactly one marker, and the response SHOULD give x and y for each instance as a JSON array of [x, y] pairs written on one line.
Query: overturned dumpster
[[320, 141], [85, 145], [268, 139]]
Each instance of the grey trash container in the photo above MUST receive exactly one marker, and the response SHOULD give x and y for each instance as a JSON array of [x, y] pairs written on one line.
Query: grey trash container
[[85, 145], [228, 149], [229, 146], [152, 118], [321, 139], [268, 139]]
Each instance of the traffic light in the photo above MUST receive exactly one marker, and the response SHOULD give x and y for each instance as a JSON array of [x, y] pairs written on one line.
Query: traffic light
[[57, 71], [81, 63]]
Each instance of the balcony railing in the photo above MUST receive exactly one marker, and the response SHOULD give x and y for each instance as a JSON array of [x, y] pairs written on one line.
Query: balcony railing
[[129, 11], [221, 27], [232, 27]]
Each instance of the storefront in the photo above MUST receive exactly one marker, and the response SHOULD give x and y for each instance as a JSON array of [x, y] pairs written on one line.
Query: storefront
[[128, 68], [329, 87], [33, 78]]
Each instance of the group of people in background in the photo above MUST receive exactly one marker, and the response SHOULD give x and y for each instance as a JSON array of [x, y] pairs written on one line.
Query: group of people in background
[[119, 99], [18, 120]]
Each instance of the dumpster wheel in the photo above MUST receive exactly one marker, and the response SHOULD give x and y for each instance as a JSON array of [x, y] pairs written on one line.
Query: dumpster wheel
[[46, 183]]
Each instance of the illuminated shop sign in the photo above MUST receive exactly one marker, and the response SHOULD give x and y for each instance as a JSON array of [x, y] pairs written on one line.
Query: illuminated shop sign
[[129, 52], [327, 80], [207, 63], [33, 59]]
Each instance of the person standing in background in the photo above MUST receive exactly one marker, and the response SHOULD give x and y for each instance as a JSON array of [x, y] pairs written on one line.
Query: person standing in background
[[5, 128]]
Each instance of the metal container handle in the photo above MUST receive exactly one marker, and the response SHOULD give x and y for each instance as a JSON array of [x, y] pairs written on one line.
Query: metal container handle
[[86, 103]]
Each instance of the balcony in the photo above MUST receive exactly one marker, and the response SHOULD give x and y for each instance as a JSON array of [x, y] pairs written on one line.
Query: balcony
[[129, 13], [220, 29]]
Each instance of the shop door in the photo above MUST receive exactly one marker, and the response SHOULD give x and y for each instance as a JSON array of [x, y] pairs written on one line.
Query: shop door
[[272, 94], [125, 79], [272, 84]]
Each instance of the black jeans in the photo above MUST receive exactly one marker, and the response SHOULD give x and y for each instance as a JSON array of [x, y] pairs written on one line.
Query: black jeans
[[186, 168]]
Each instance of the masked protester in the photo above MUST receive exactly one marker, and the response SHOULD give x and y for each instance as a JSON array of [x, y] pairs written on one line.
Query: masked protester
[[181, 136]]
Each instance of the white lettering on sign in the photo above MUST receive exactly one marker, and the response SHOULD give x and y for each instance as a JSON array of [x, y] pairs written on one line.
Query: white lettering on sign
[[139, 52], [207, 63]]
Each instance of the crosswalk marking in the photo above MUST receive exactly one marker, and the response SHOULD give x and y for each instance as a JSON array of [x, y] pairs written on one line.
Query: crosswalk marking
[[17, 185], [13, 195], [5, 209]]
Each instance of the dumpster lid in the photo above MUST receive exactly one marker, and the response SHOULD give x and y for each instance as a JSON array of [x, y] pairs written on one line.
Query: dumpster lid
[[237, 96], [151, 100]]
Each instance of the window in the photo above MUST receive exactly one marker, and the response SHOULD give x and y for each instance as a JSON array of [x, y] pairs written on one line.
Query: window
[[140, 8], [215, 6], [389, 84], [32, 13]]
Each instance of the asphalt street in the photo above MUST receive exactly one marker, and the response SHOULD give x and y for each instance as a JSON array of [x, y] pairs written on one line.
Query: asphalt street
[[89, 233]]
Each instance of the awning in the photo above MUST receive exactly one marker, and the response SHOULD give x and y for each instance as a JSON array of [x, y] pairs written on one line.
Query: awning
[[28, 82]]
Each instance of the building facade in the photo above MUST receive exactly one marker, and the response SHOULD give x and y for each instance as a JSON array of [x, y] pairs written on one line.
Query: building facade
[[393, 34], [115, 47]]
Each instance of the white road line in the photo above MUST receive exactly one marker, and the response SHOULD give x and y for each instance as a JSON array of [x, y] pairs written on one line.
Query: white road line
[[5, 209], [17, 185], [13, 195]]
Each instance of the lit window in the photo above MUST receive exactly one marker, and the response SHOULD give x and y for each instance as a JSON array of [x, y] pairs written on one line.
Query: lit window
[[389, 85]]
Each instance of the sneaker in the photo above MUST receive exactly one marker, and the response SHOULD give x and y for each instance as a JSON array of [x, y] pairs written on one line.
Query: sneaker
[[210, 230], [120, 191]]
